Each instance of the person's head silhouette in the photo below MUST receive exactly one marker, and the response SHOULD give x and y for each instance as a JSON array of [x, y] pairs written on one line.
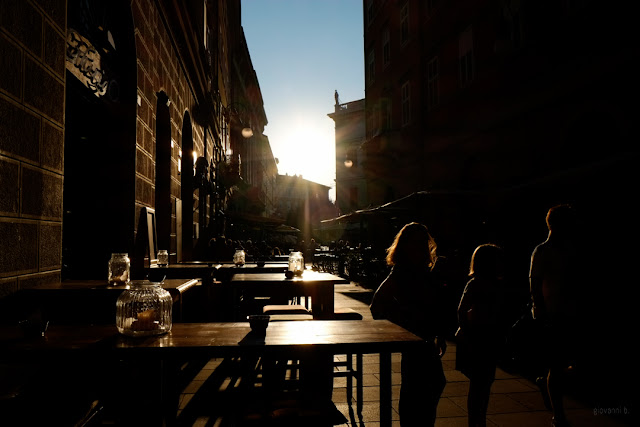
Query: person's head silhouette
[[413, 245]]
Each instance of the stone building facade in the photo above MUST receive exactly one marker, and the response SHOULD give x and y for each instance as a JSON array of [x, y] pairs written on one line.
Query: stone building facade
[[351, 188], [528, 103], [303, 204], [109, 109]]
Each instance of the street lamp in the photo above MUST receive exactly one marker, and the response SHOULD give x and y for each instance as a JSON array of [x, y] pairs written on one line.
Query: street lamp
[[247, 132]]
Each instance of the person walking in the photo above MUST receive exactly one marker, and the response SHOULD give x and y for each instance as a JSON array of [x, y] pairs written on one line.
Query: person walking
[[553, 277], [482, 328], [411, 298]]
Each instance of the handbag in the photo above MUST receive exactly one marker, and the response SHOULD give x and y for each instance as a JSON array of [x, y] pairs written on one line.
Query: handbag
[[525, 340]]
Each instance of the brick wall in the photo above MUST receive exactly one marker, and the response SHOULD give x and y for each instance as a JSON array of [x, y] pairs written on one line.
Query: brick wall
[[32, 85], [159, 69], [32, 130]]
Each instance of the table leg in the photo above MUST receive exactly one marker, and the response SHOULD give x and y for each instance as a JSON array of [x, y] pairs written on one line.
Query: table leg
[[359, 380], [170, 395], [323, 302], [385, 389]]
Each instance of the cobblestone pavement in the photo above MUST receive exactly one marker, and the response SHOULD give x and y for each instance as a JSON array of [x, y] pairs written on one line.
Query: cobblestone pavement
[[514, 401]]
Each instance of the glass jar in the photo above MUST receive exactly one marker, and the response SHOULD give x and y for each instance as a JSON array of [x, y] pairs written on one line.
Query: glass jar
[[163, 258], [296, 263], [144, 309], [238, 258], [119, 269]]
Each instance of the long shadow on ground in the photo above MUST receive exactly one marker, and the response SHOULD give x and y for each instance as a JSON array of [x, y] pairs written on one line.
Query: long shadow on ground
[[364, 296]]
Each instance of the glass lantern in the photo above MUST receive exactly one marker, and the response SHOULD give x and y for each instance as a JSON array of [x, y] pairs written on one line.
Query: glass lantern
[[119, 269], [163, 258], [296, 263], [144, 309], [238, 258]]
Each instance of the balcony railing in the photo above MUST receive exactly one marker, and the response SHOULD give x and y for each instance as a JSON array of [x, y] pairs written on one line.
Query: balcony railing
[[350, 106]]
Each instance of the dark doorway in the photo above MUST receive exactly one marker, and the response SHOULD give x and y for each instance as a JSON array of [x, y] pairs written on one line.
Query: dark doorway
[[100, 137]]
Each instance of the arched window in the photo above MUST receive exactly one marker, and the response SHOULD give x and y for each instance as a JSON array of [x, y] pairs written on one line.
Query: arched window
[[186, 189], [163, 171]]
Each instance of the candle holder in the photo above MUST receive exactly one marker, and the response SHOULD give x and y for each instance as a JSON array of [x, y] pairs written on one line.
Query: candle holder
[[119, 269], [144, 309], [239, 258], [296, 263], [163, 258]]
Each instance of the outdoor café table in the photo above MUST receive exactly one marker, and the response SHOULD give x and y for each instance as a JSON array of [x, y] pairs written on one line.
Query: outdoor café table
[[226, 270], [94, 301], [215, 340], [203, 270], [207, 271], [319, 286]]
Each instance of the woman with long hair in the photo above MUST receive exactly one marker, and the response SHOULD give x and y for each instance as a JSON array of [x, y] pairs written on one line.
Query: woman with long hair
[[482, 328], [411, 297]]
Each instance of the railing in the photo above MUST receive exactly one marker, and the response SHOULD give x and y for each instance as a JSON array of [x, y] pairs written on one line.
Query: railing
[[358, 265], [353, 105]]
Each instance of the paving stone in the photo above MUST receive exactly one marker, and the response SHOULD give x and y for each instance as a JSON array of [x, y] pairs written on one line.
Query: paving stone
[[448, 407], [514, 401]]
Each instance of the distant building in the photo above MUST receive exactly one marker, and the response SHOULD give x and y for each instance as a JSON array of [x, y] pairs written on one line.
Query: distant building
[[351, 186], [303, 204], [490, 95]]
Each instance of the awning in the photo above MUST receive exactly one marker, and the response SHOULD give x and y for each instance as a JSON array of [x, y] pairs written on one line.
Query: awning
[[413, 204], [282, 228]]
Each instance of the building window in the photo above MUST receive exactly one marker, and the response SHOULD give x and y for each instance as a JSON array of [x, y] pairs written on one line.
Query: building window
[[373, 121], [386, 48], [465, 55], [404, 23], [433, 80], [386, 112], [371, 66], [513, 15], [369, 12], [431, 5], [405, 101], [370, 131], [205, 26], [353, 197]]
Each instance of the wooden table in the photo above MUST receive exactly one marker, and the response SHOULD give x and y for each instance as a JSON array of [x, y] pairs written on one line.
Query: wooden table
[[94, 301], [197, 340], [226, 270], [207, 271], [204, 271], [317, 285], [217, 297]]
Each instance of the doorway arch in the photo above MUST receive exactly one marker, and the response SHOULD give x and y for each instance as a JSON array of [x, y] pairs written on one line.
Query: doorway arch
[[163, 171], [186, 187]]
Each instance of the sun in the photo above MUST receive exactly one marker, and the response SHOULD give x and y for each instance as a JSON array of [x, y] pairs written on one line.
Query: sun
[[307, 148]]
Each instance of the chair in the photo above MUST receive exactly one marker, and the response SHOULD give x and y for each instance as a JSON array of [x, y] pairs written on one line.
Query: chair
[[272, 309], [289, 317], [283, 312]]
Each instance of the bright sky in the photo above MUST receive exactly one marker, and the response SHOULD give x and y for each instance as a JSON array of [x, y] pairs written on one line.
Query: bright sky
[[302, 51]]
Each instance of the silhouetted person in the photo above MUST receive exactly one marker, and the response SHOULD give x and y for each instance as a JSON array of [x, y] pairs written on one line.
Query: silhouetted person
[[411, 298], [264, 251], [553, 275], [230, 249], [310, 251], [482, 328]]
